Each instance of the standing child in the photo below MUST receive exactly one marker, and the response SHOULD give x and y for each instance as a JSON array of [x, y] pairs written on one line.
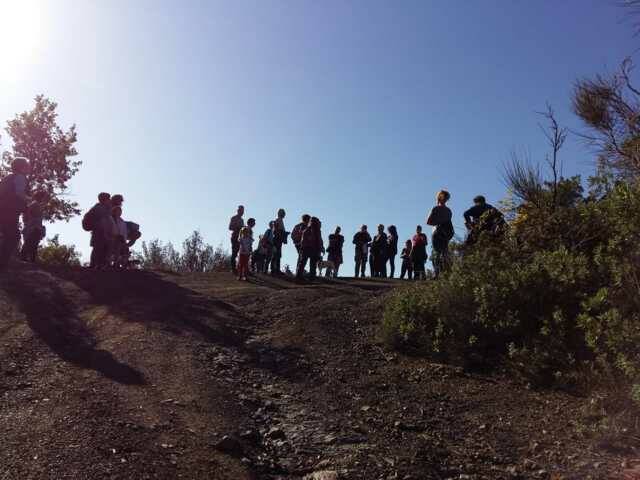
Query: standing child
[[244, 252], [407, 264]]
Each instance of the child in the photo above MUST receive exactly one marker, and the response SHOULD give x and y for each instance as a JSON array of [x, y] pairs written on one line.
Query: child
[[244, 253], [407, 264]]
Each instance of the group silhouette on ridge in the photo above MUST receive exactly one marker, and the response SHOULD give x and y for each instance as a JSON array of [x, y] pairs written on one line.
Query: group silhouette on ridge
[[378, 252]]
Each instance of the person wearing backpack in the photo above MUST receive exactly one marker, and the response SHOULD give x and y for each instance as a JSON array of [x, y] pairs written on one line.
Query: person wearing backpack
[[33, 231], [13, 202], [298, 230], [312, 248], [99, 221], [440, 219]]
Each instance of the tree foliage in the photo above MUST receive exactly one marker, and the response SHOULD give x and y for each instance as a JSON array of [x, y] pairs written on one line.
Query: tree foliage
[[58, 255], [37, 136]]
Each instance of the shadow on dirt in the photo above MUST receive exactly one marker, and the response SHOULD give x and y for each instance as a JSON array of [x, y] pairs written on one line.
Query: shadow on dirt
[[53, 318]]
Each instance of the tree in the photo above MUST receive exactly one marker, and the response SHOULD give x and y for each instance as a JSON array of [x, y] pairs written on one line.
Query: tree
[[37, 136], [58, 255], [610, 108]]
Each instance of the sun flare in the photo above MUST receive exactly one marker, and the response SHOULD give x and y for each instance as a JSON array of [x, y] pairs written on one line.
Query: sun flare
[[20, 29]]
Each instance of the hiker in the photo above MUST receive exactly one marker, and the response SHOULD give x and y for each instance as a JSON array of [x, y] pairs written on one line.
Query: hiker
[[482, 217], [117, 200], [34, 230], [419, 254], [99, 222], [258, 257], [361, 241], [407, 263], [440, 219], [246, 247], [379, 246], [235, 225], [267, 243], [279, 238], [13, 202], [312, 248], [296, 233], [392, 249], [119, 241], [336, 242]]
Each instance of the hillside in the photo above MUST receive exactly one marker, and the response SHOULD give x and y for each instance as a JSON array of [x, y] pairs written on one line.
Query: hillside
[[142, 375]]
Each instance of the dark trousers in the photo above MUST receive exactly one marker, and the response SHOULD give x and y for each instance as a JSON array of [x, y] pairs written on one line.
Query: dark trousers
[[30, 246], [379, 266], [418, 268], [392, 266], [10, 233], [311, 256], [100, 252], [235, 248], [361, 263], [275, 259], [406, 268]]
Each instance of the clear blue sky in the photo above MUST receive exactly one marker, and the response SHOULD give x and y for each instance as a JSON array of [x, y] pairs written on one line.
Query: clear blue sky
[[354, 111]]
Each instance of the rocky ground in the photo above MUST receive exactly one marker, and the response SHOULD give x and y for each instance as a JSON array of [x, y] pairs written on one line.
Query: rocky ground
[[136, 375]]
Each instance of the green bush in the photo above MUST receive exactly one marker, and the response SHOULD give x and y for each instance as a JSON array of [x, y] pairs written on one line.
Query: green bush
[[553, 299], [56, 254]]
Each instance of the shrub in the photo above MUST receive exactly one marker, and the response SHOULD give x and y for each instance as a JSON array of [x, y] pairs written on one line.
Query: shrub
[[56, 254]]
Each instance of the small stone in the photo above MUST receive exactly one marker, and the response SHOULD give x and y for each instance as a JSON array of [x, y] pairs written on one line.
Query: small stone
[[276, 434], [322, 475], [229, 445]]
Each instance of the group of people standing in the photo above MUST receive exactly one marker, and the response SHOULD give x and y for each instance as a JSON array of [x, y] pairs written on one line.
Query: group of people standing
[[378, 252], [111, 236]]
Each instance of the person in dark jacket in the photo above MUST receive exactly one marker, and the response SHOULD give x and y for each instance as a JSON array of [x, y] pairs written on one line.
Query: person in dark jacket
[[267, 244], [279, 239], [482, 217], [336, 242], [419, 254], [298, 230], [13, 202], [440, 218], [102, 228], [392, 248], [311, 249], [361, 241], [407, 263], [379, 247]]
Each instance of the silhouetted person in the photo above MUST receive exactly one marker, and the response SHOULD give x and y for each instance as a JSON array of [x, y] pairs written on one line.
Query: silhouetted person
[[311, 249], [482, 217], [298, 230], [235, 225], [33, 230], [336, 242], [99, 221], [379, 246], [407, 263], [472, 216], [117, 200], [279, 238], [267, 242], [119, 246], [361, 241], [392, 249], [419, 254], [244, 253], [13, 202], [440, 219]]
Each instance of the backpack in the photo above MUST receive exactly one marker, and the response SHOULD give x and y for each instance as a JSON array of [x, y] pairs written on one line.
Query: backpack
[[88, 221]]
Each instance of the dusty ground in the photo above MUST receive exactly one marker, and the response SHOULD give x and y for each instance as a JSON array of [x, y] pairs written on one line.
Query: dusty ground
[[139, 375]]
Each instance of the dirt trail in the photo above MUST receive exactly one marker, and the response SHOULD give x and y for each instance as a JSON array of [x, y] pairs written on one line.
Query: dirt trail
[[141, 375]]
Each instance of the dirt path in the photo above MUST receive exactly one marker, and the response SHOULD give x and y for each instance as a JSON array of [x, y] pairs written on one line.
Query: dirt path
[[140, 375]]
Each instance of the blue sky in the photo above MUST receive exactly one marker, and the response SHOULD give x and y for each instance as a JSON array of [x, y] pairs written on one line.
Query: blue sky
[[354, 111]]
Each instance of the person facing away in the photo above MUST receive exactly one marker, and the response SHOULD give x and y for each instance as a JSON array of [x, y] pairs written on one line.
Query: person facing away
[[235, 225], [419, 254], [258, 256], [279, 238], [336, 243], [392, 249], [312, 248], [244, 252], [379, 246], [99, 221], [34, 230], [361, 241], [440, 218], [13, 202], [267, 243], [407, 263], [298, 230]]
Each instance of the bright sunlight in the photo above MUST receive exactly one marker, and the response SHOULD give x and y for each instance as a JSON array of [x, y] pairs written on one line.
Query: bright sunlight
[[20, 32]]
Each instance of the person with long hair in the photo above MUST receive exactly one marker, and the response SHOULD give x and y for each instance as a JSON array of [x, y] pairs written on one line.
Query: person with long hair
[[379, 247], [336, 242], [392, 248], [311, 249]]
